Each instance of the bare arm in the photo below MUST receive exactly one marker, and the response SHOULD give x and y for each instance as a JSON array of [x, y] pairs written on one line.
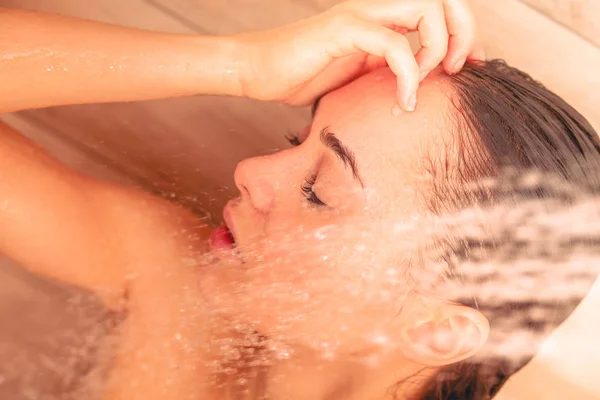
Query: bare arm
[[70, 227], [50, 60], [51, 218]]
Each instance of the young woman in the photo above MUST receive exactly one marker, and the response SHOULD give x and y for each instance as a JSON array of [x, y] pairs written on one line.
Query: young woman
[[312, 290]]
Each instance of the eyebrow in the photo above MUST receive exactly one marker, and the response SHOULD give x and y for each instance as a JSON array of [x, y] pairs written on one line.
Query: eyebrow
[[342, 152]]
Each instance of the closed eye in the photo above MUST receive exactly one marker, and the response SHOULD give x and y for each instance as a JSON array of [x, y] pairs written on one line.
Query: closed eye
[[309, 194]]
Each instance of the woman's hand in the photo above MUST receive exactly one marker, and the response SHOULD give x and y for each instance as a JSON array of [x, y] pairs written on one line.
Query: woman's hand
[[297, 63]]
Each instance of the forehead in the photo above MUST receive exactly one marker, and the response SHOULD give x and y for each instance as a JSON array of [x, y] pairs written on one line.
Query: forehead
[[392, 150]]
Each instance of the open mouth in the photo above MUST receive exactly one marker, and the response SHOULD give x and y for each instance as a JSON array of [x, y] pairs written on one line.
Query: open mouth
[[222, 239]]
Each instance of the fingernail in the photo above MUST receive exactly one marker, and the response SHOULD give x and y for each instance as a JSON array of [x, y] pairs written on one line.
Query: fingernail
[[396, 110], [411, 103], [458, 64]]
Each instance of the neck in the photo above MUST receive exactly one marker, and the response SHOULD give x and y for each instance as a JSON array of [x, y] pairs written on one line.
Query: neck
[[307, 375]]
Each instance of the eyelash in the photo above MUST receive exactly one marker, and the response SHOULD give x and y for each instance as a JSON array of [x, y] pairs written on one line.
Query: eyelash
[[307, 187], [293, 138], [307, 191]]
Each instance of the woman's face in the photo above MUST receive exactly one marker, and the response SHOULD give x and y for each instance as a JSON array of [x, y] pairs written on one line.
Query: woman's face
[[321, 255]]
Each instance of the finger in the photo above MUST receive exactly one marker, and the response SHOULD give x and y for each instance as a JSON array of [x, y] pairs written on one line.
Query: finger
[[400, 29], [433, 37], [379, 41], [477, 53], [462, 30], [425, 16]]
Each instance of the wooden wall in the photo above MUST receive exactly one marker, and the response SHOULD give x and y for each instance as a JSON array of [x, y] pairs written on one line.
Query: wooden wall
[[579, 15]]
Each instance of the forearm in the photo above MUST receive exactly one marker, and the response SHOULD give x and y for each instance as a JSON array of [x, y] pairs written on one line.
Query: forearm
[[49, 60]]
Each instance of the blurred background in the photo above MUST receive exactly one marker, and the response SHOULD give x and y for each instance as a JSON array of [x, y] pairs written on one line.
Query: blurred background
[[187, 149]]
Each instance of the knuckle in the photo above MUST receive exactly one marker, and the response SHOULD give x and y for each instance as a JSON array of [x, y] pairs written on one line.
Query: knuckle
[[437, 45], [397, 41], [340, 19]]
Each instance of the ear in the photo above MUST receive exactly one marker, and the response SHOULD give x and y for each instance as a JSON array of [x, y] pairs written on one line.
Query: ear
[[456, 332]]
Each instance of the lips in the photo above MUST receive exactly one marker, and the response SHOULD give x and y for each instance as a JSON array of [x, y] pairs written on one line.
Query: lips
[[221, 239]]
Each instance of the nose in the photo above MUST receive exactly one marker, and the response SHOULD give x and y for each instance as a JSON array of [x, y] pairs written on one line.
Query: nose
[[255, 182]]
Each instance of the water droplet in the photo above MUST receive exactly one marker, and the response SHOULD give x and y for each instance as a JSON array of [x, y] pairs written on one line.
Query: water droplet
[[380, 339], [320, 235], [241, 381], [305, 297]]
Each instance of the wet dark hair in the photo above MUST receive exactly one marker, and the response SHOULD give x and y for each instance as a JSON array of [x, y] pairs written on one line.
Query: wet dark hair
[[506, 121]]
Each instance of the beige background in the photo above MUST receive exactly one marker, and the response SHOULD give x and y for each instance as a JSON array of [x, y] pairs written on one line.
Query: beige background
[[188, 148], [578, 15]]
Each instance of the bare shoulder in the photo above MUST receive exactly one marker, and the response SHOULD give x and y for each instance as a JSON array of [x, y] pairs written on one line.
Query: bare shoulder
[[161, 242]]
